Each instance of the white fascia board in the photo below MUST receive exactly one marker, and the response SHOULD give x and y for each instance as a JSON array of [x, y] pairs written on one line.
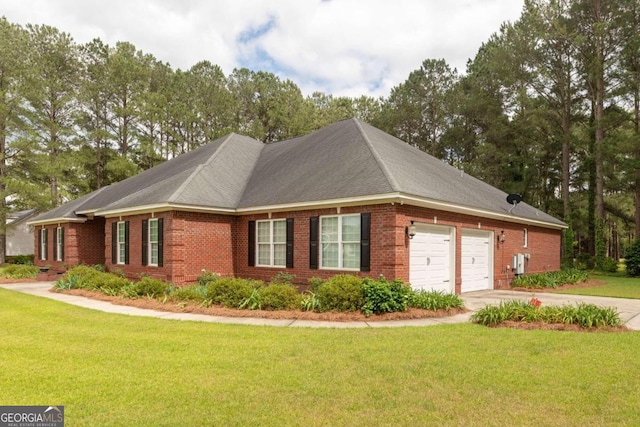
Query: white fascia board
[[321, 204], [161, 207], [52, 221]]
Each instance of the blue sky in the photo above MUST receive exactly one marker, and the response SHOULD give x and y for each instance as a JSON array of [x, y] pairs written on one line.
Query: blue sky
[[341, 47]]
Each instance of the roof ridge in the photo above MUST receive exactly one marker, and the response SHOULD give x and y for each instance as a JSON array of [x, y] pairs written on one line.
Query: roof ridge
[[385, 170], [199, 168]]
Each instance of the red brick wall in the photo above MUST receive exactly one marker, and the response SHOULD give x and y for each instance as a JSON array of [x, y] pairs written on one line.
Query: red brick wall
[[191, 242], [83, 244], [385, 236]]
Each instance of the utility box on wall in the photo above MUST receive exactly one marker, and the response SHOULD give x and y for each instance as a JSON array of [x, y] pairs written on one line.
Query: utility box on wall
[[518, 264]]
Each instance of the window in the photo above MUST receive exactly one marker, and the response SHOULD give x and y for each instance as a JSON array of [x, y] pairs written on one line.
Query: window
[[59, 244], [43, 243], [525, 238], [272, 243], [121, 243], [153, 242], [340, 242]]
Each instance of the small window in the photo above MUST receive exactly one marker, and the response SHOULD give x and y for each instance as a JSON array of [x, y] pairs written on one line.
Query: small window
[[59, 244], [340, 242], [271, 243], [122, 243], [525, 238], [153, 242], [43, 244]]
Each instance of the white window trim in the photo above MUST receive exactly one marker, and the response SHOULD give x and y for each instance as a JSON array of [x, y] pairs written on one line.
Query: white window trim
[[150, 243], [121, 256], [59, 245], [43, 244], [525, 237], [271, 244], [340, 243]]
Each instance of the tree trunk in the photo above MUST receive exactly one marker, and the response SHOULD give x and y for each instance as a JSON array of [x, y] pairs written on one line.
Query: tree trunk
[[599, 112]]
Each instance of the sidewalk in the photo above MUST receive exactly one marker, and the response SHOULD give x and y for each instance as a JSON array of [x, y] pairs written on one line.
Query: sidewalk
[[629, 309]]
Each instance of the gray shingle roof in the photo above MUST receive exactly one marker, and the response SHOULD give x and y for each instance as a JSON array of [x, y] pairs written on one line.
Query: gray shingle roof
[[348, 159]]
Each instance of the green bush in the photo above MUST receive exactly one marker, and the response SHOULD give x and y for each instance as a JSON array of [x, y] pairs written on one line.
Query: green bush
[[207, 277], [196, 293], [283, 278], [382, 296], [18, 271], [84, 277], [632, 258], [552, 279], [342, 292], [231, 292], [149, 287], [111, 284], [309, 301], [315, 283], [585, 261], [609, 265], [20, 259], [280, 296], [434, 300], [584, 315]]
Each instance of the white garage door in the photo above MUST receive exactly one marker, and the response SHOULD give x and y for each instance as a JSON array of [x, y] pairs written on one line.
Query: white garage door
[[476, 260], [431, 259]]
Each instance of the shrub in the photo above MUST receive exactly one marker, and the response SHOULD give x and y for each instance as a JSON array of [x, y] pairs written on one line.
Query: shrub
[[585, 262], [84, 277], [584, 315], [382, 296], [207, 277], [17, 271], [111, 284], [609, 265], [342, 292], [632, 258], [434, 300], [20, 259], [189, 293], [552, 279], [149, 287], [315, 283], [280, 296], [283, 278], [309, 301], [231, 292]]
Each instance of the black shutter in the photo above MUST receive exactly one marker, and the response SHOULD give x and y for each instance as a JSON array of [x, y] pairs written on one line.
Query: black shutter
[[313, 242], [126, 242], [160, 242], [252, 243], [145, 238], [289, 242], [40, 244], [114, 243], [62, 243], [365, 241], [55, 244]]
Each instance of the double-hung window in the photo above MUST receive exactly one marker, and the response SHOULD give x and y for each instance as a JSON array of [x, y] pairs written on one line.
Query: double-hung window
[[271, 243], [340, 242], [153, 242], [43, 243], [59, 244], [122, 243]]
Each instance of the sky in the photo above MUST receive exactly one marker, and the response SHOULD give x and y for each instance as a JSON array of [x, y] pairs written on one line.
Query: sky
[[339, 47]]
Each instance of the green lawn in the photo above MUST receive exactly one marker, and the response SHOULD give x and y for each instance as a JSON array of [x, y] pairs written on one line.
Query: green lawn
[[616, 286], [117, 370]]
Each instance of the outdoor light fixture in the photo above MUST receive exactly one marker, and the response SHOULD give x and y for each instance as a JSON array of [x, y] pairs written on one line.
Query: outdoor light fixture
[[410, 231], [502, 237]]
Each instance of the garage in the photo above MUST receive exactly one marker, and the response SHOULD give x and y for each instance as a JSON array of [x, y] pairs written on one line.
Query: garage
[[431, 258], [477, 260]]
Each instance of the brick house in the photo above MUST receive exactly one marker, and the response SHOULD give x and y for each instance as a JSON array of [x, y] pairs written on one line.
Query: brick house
[[347, 198]]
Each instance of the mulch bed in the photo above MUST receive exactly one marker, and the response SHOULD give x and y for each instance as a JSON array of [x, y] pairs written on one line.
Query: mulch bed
[[558, 327], [187, 307]]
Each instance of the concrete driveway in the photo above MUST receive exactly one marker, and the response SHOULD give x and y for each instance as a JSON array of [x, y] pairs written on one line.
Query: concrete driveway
[[629, 309]]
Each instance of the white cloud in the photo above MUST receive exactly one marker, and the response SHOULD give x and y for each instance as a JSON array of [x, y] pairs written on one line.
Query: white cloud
[[343, 47]]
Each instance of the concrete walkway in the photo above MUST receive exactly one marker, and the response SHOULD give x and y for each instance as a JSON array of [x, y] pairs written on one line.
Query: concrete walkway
[[628, 309]]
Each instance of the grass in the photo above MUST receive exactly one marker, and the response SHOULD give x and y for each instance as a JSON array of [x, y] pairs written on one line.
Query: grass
[[615, 286], [117, 370]]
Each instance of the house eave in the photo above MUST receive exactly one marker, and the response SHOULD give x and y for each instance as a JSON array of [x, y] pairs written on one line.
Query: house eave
[[162, 207], [53, 221]]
